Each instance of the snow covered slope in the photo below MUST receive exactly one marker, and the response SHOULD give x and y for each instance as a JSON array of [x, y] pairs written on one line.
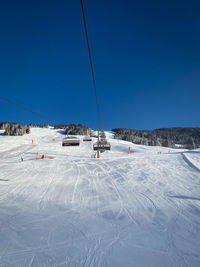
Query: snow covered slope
[[140, 210]]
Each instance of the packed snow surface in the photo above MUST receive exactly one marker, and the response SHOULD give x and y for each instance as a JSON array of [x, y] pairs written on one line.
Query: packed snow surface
[[140, 209]]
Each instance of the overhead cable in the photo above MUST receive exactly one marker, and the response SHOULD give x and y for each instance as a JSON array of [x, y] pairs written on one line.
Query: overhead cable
[[91, 65], [27, 109]]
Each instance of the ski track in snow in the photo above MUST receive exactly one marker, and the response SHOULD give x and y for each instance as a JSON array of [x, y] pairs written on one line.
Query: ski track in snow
[[141, 209], [190, 163]]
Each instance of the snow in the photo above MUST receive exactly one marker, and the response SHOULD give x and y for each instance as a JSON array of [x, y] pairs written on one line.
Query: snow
[[138, 209], [180, 145]]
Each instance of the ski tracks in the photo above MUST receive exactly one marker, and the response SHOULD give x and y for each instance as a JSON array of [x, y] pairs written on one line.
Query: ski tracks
[[21, 184], [76, 183], [42, 198], [190, 163], [108, 183]]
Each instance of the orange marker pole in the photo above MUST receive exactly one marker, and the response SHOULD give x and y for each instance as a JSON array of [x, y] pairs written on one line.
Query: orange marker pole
[[98, 154]]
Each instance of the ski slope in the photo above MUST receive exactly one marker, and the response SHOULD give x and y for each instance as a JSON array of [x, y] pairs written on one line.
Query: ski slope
[[140, 210]]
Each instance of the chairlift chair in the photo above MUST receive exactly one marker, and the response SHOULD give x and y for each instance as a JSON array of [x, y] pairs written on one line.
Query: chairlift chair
[[87, 139], [101, 145], [70, 141]]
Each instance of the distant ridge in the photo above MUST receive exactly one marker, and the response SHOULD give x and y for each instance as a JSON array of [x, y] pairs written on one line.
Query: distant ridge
[[17, 129], [176, 137]]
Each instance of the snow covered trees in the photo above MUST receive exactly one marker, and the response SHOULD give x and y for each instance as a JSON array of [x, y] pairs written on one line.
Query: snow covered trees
[[74, 129], [168, 137], [14, 128]]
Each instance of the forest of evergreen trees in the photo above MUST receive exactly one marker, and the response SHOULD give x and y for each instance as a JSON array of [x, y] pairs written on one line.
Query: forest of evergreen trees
[[168, 137]]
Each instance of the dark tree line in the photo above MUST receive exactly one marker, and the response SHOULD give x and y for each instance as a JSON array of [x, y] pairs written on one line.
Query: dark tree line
[[14, 129], [168, 137], [17, 129], [74, 129], [39, 125]]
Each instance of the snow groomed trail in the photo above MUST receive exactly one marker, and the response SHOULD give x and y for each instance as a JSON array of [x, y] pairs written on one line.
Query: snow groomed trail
[[139, 210]]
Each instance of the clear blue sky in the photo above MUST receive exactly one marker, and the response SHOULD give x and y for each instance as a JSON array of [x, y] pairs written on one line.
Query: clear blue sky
[[146, 57]]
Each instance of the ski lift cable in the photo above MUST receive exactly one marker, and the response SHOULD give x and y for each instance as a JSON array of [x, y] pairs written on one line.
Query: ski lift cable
[[93, 79], [27, 109], [91, 65]]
